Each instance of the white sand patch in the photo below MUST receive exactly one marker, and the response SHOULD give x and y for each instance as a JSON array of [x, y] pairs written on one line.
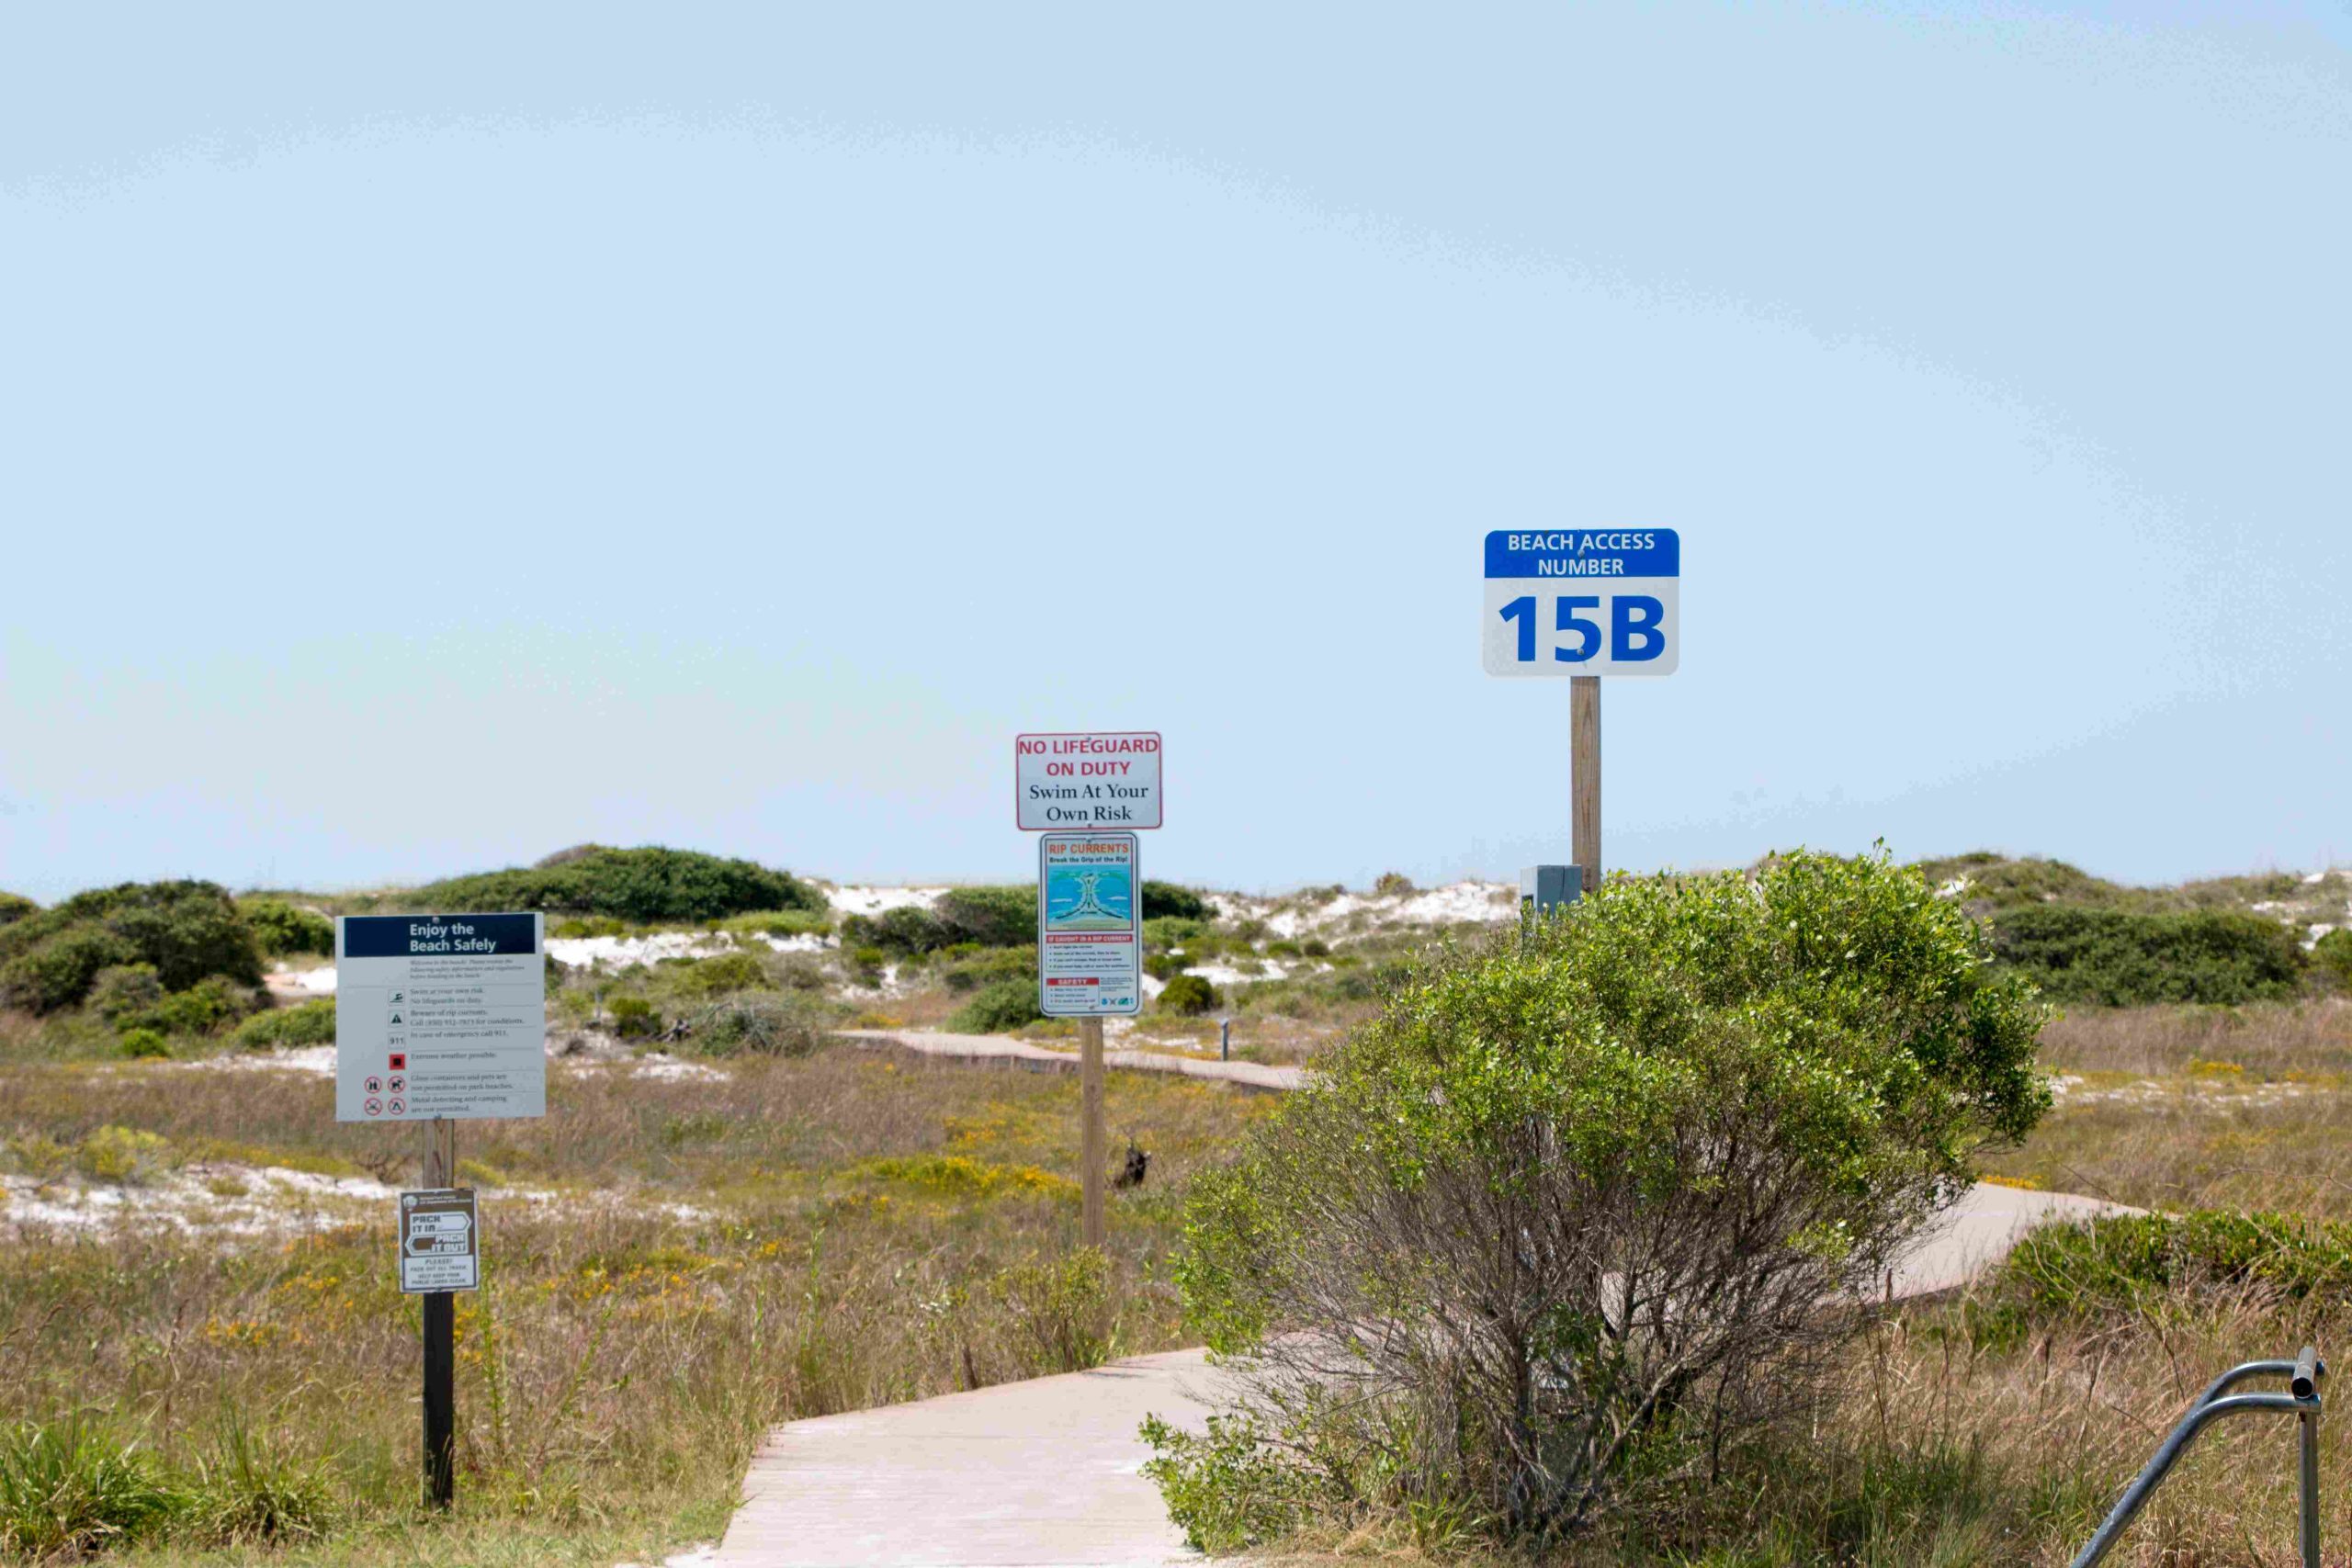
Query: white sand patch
[[316, 1060], [661, 1065], [700, 1557], [1454, 904], [287, 980], [619, 952], [874, 900], [801, 941], [210, 1199]]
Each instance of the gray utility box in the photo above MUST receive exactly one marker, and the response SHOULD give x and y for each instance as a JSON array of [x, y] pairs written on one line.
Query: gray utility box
[[1543, 888]]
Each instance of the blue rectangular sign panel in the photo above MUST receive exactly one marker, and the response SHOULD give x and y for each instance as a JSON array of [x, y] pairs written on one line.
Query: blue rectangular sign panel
[[1582, 602]]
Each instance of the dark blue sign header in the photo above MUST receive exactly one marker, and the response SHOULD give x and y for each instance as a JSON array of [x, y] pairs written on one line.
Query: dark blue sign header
[[422, 936], [1584, 552]]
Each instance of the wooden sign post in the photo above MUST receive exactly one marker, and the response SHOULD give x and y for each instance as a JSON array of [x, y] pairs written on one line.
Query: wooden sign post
[[1092, 1150], [1584, 777], [440, 1337]]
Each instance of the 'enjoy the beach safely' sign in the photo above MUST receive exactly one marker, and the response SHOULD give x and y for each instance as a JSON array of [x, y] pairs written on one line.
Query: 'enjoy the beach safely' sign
[[1087, 780], [1089, 925], [1582, 602], [439, 1015]]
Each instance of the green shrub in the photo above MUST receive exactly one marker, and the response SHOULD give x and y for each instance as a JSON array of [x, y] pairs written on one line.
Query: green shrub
[[989, 965], [2129, 1260], [280, 929], [1167, 900], [2332, 957], [122, 990], [2118, 959], [1165, 931], [634, 1018], [993, 917], [186, 929], [1188, 995], [788, 1024], [1746, 1096], [14, 907], [906, 930], [124, 1154], [780, 923], [642, 885], [202, 1009], [724, 973], [144, 1043], [997, 1009], [1314, 947], [305, 1023], [1164, 966], [1393, 885], [70, 1488], [1059, 1310], [1227, 1489]]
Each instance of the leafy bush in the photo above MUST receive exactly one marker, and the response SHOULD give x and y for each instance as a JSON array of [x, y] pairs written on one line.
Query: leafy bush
[[122, 990], [1164, 932], [14, 907], [993, 917], [202, 1009], [1167, 900], [2332, 956], [789, 1023], [186, 929], [2116, 959], [305, 1023], [1393, 885], [634, 1018], [780, 923], [69, 1488], [644, 885], [124, 1154], [1164, 966], [905, 931], [1058, 1310], [1188, 995], [1698, 1107], [143, 1042], [279, 929], [723, 973], [1227, 1489], [990, 965], [2127, 1260], [997, 1009]]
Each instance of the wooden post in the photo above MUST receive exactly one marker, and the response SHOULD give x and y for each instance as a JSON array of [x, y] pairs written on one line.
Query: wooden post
[[1584, 775], [1091, 1146], [440, 1338]]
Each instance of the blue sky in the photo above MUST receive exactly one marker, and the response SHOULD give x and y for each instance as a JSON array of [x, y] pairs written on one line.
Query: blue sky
[[427, 440]]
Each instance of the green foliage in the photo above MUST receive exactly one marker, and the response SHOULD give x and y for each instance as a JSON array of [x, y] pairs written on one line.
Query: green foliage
[[993, 917], [2332, 957], [1167, 900], [1059, 1310], [1164, 966], [1393, 885], [1756, 1090], [203, 1008], [989, 965], [69, 1488], [2116, 959], [634, 1018], [305, 1023], [1229, 1489], [1188, 995], [123, 1153], [905, 931], [281, 929], [2130, 1261], [120, 991], [14, 907], [644, 885], [723, 973], [144, 1043], [780, 923], [997, 1009], [1164, 932], [788, 1024], [186, 929], [249, 1494]]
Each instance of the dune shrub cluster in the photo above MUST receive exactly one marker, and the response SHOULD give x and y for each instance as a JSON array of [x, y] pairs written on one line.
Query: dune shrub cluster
[[2116, 958], [184, 932], [644, 885], [1695, 1108], [281, 930]]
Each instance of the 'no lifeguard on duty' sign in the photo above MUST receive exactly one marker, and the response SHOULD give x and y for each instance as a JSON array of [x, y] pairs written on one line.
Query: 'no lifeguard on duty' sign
[[1582, 602]]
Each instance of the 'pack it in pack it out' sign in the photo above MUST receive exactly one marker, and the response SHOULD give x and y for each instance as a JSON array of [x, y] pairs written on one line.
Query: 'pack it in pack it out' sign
[[1582, 602], [440, 1015], [1107, 779], [1089, 925], [440, 1241]]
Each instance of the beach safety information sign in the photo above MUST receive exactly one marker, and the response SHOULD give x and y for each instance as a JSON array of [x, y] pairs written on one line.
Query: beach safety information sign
[[1582, 602], [1089, 925], [1081, 780], [439, 1015], [440, 1241]]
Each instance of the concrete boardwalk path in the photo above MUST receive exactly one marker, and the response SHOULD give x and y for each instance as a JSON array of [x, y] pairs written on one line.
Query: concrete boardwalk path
[[1048, 1472]]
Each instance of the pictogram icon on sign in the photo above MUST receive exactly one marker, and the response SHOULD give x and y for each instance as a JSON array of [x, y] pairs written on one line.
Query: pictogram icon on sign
[[400, 1083], [400, 1060], [374, 1085], [373, 1107], [399, 1107]]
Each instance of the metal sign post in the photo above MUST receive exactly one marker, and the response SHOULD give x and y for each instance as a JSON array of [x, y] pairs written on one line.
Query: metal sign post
[[1583, 603]]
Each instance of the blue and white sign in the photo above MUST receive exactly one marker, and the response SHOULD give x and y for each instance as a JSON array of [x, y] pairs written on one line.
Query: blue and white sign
[[440, 1015], [1582, 602], [1089, 925]]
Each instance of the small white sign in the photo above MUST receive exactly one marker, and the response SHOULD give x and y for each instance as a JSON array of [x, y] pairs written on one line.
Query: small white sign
[[1089, 925], [440, 1015], [1582, 602], [440, 1241], [1108, 780]]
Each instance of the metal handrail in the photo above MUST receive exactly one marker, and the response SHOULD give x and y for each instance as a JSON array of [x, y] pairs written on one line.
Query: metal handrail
[[2301, 1400]]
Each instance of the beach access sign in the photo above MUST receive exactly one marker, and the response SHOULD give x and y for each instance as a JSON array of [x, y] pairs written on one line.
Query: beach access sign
[[1087, 780], [1582, 602], [1089, 925], [439, 1015], [440, 1241]]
